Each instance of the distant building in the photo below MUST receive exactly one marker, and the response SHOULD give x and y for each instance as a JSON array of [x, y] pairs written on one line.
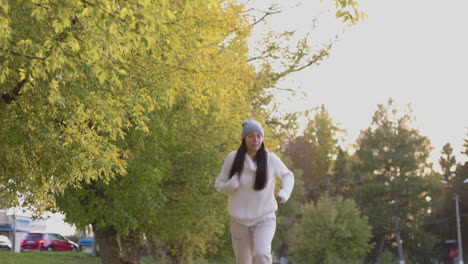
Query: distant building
[[16, 227]]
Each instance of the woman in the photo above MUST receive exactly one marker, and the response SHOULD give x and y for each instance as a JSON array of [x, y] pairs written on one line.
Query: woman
[[248, 177]]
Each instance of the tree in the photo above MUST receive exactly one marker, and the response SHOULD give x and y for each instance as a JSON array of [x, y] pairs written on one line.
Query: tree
[[461, 188], [342, 178], [315, 151], [64, 101], [331, 231], [442, 222], [395, 192], [167, 193], [447, 162]]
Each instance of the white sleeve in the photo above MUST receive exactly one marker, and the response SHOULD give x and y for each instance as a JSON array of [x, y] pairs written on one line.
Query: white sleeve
[[285, 175], [223, 184]]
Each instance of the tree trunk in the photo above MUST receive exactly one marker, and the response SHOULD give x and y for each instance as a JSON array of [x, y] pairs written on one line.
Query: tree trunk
[[131, 245], [158, 251], [379, 253], [176, 256], [283, 253], [401, 259], [106, 239], [173, 259]]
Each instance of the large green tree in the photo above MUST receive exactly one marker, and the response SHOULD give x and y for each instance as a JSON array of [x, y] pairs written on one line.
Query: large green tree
[[64, 100], [395, 192], [167, 193]]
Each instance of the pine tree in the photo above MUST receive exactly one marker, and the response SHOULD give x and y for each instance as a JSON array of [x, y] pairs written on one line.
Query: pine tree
[[392, 158]]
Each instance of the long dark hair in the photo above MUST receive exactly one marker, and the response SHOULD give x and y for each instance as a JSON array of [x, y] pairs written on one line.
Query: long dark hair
[[260, 158]]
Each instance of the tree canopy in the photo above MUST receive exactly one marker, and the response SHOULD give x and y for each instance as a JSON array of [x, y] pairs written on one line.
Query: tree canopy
[[395, 191], [65, 101]]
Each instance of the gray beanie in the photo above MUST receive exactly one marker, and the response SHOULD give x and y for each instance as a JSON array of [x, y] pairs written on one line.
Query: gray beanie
[[250, 125]]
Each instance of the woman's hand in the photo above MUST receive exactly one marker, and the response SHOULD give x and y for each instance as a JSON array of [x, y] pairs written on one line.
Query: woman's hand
[[279, 198]]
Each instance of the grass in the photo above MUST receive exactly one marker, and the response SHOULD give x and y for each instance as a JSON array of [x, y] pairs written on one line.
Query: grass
[[48, 257], [53, 258]]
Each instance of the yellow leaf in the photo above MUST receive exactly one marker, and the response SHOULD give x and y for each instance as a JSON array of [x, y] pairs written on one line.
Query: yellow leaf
[[4, 5], [74, 44]]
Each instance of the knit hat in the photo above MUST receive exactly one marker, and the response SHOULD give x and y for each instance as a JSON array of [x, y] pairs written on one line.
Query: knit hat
[[250, 125]]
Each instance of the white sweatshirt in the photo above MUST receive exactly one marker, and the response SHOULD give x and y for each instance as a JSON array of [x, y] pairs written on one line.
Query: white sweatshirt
[[246, 205]]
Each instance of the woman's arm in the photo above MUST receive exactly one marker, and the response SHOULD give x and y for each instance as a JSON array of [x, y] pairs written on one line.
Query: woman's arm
[[286, 177], [223, 184]]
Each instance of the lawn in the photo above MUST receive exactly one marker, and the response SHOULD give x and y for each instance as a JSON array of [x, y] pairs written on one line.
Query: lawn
[[54, 258], [47, 257]]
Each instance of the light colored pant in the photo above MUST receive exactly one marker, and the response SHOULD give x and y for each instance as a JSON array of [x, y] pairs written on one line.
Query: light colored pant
[[252, 245]]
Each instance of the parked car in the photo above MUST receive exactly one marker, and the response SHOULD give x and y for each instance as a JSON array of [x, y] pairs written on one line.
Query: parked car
[[38, 241], [5, 243]]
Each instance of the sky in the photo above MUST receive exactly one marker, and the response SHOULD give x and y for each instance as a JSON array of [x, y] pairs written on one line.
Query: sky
[[413, 51]]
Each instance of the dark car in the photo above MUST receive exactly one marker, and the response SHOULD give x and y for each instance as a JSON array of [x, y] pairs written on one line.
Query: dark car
[[47, 241]]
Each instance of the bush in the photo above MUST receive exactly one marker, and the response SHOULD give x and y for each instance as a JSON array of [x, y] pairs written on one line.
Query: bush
[[332, 231]]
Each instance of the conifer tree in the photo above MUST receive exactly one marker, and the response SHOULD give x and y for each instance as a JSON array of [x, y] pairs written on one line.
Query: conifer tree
[[395, 192]]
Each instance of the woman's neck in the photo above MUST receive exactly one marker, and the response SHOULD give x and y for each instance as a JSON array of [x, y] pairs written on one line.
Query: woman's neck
[[252, 154]]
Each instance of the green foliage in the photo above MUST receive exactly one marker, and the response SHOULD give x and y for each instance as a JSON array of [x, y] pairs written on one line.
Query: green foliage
[[224, 254], [342, 177], [447, 162], [65, 102], [395, 192], [288, 214], [387, 257], [200, 82], [331, 231], [323, 134], [348, 11], [315, 152]]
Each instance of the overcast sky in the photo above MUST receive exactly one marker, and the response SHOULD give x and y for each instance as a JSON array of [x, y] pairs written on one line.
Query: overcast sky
[[413, 51]]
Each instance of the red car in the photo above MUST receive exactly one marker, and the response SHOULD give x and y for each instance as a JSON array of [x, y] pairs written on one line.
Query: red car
[[47, 241]]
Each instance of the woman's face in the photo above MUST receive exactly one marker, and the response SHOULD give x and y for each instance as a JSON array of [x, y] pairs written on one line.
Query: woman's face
[[253, 141]]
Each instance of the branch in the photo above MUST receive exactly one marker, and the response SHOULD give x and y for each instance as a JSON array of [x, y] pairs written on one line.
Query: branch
[[262, 55], [172, 199], [88, 3], [24, 55], [9, 97], [296, 68], [271, 11], [283, 89], [100, 7]]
